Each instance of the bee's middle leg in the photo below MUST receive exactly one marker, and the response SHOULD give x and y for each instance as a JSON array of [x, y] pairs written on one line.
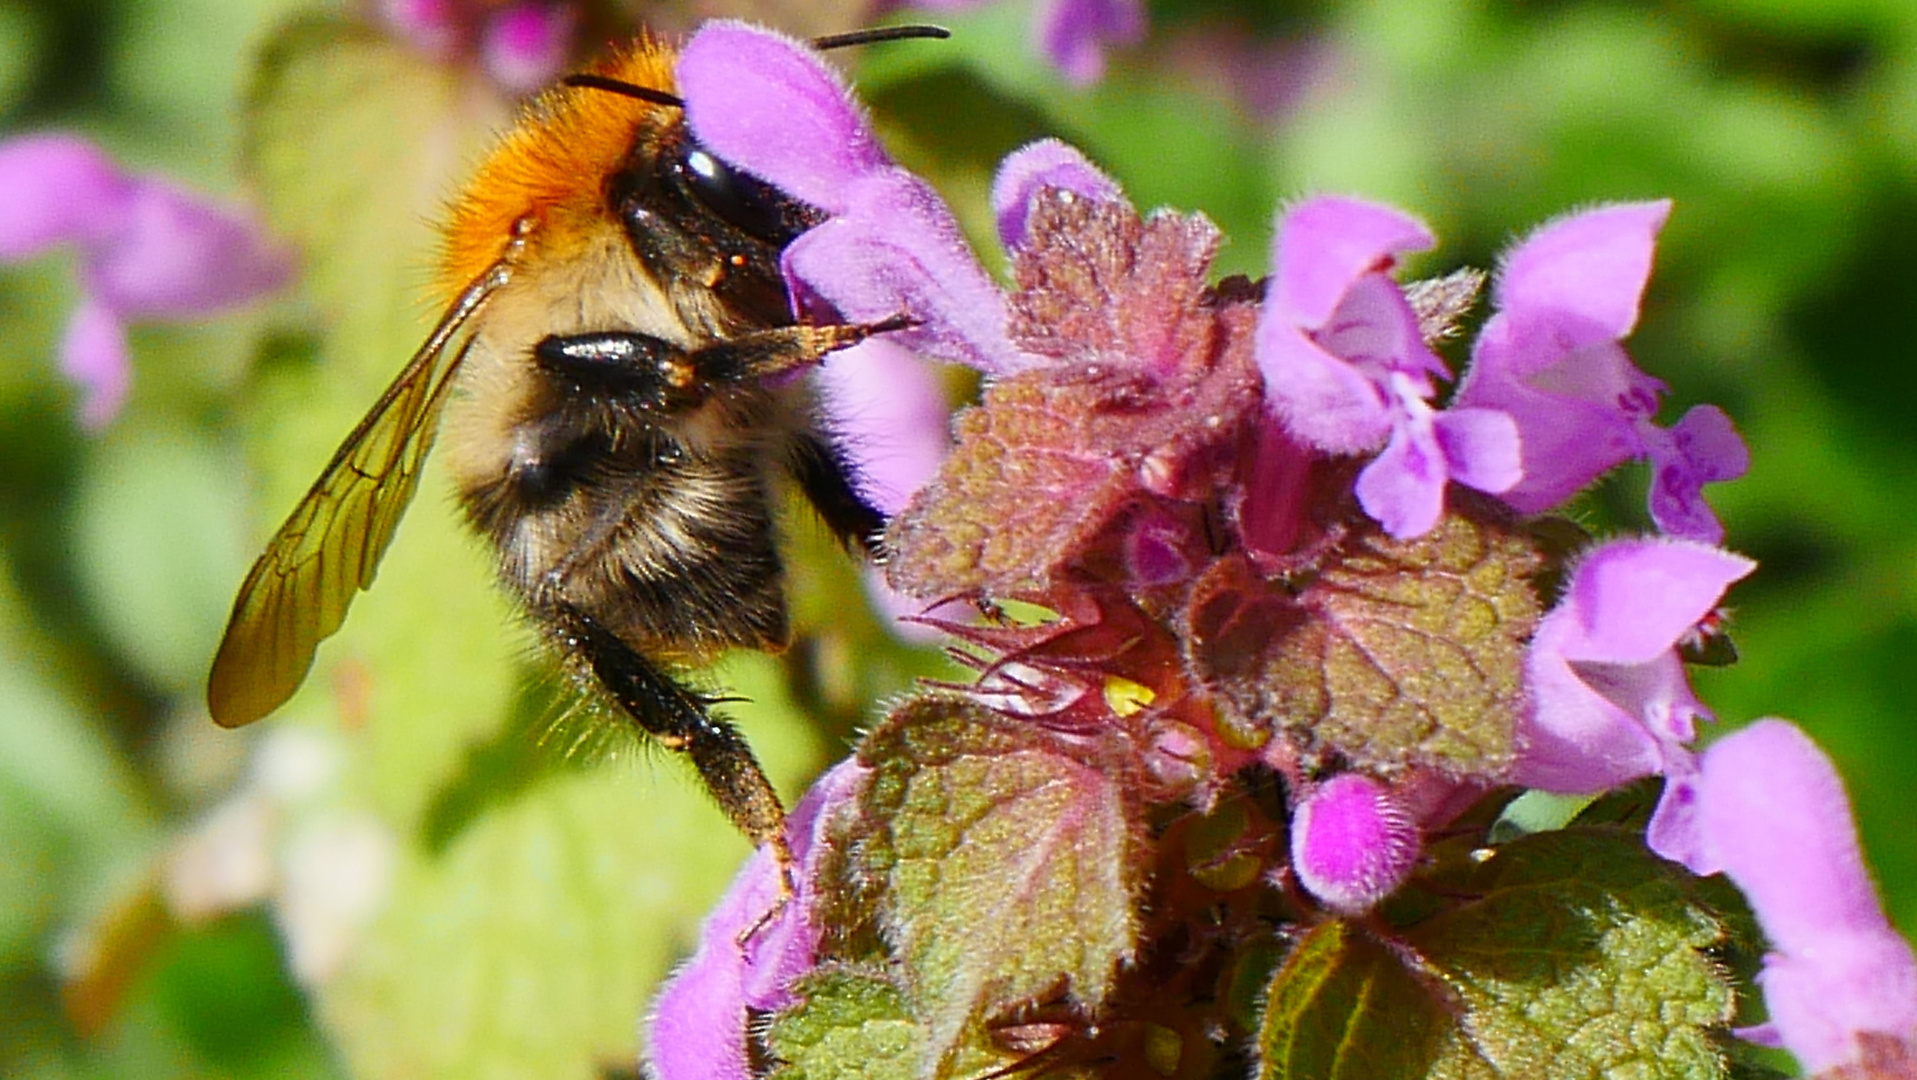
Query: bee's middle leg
[[681, 720]]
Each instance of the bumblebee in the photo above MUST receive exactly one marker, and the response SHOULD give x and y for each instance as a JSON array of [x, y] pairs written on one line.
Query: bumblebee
[[612, 366]]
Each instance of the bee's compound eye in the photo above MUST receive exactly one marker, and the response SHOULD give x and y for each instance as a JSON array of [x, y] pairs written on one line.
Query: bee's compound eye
[[748, 203]]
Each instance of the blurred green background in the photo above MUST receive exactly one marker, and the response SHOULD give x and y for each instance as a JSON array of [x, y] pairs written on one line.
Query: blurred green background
[[536, 894]]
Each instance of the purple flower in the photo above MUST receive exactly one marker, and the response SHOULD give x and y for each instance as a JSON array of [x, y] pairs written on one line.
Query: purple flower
[[149, 250], [1772, 811], [771, 106], [1610, 700], [1353, 841], [698, 1025], [1551, 359], [1347, 370]]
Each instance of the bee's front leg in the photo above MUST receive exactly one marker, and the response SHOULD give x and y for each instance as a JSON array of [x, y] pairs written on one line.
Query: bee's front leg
[[652, 372]]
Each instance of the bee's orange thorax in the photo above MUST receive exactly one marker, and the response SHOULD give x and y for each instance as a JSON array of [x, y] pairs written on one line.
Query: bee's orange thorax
[[552, 167]]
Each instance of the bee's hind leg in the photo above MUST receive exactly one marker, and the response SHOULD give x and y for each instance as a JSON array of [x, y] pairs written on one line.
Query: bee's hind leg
[[681, 720]]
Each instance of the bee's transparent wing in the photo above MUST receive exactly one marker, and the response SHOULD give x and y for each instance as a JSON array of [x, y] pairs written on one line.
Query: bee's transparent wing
[[297, 593]]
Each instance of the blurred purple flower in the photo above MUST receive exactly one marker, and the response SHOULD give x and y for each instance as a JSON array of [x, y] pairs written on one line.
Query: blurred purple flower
[[1347, 370], [698, 1025], [527, 45], [521, 46], [1551, 359], [1076, 33], [1610, 700], [148, 250], [434, 27], [1772, 811], [1353, 841], [1073, 34], [770, 105]]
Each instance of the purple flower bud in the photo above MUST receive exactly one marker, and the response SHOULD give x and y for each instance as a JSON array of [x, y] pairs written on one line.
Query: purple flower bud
[[773, 107], [1772, 810], [1551, 359], [1347, 369], [1030, 169], [148, 250], [1353, 841], [698, 1025]]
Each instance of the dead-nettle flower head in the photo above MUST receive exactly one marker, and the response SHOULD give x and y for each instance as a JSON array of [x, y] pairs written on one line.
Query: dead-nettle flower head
[[1301, 611], [149, 250]]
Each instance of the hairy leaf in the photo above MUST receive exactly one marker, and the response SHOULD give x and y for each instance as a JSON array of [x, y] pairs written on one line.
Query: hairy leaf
[[1582, 957], [1008, 860], [1393, 653], [850, 1022], [1344, 1008]]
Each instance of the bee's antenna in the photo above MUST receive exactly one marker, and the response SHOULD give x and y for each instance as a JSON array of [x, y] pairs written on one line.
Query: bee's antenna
[[879, 33], [625, 89]]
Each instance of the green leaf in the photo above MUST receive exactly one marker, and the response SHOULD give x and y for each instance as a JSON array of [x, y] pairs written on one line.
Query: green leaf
[[1393, 653], [530, 947], [1008, 863], [355, 143], [1343, 1007], [851, 1022], [1582, 958], [159, 533]]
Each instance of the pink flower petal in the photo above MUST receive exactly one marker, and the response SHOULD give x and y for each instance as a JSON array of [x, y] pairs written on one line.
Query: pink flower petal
[[1075, 34], [1772, 808], [1403, 487], [1324, 245], [57, 189], [174, 255], [888, 409], [768, 104], [94, 355], [698, 1026], [1481, 447], [1701, 448], [897, 250], [1352, 842], [1588, 269], [1610, 698]]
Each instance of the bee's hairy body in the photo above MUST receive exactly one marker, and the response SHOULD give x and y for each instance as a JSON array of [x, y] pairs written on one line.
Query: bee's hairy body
[[616, 363], [660, 523]]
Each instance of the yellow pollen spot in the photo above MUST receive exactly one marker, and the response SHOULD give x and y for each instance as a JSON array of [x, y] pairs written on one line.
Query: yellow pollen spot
[[1125, 697]]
